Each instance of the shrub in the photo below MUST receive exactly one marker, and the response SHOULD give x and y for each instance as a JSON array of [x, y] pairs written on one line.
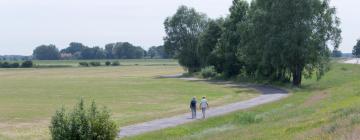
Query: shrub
[[116, 63], [27, 64], [208, 72], [15, 65], [83, 124], [95, 64], [84, 64], [107, 63], [5, 65]]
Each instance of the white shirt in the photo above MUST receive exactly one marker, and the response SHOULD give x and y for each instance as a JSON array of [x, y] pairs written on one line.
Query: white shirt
[[203, 103]]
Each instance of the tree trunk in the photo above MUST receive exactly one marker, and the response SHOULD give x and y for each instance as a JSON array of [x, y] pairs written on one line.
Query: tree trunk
[[297, 76]]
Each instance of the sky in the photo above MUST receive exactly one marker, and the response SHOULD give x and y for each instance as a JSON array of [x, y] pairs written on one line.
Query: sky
[[26, 24]]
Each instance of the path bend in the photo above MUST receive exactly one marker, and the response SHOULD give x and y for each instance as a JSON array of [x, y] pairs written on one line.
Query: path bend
[[269, 94]]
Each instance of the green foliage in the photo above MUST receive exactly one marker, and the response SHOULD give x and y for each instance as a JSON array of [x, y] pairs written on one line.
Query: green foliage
[[207, 42], [115, 63], [208, 72], [157, 52], [107, 63], [27, 64], [74, 47], [125, 50], [95, 64], [93, 53], [356, 50], [120, 50], [277, 40], [15, 65], [232, 39], [281, 48], [183, 31], [46, 52], [9, 65], [83, 124], [84, 64], [336, 53]]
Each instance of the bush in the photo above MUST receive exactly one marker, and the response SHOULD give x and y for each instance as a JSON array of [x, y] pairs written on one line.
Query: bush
[[15, 65], [208, 72], [83, 124], [5, 65], [84, 64], [107, 63], [95, 64], [27, 64], [116, 63]]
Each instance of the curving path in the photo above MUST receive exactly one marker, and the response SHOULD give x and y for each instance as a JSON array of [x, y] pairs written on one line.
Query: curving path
[[269, 94]]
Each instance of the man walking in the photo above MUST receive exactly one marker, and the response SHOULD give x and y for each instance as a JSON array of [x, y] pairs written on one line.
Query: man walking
[[193, 107], [203, 106]]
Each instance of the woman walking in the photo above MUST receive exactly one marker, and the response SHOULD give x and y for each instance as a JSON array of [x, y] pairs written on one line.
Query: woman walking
[[203, 106]]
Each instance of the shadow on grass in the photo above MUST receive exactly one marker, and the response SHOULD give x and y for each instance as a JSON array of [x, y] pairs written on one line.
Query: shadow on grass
[[263, 89]]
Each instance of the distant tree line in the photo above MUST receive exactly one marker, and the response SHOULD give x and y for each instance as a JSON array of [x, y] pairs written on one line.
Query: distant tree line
[[25, 64], [14, 58], [274, 40], [120, 50]]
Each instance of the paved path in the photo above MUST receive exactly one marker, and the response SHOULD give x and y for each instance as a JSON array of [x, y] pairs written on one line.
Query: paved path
[[269, 94]]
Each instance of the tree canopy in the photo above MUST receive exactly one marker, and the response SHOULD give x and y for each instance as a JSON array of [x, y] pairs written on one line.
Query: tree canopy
[[46, 52], [277, 40], [356, 50], [183, 31]]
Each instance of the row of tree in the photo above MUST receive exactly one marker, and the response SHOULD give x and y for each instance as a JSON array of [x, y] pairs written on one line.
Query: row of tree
[[278, 40], [120, 50]]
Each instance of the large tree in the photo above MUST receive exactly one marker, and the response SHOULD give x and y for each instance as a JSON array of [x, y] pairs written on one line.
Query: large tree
[[46, 52], [183, 30], [231, 41], [289, 39], [93, 53], [125, 50], [157, 52], [356, 50], [73, 48], [208, 41]]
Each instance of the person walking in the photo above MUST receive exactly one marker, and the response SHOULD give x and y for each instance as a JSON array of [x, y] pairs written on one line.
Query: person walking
[[203, 106], [193, 103]]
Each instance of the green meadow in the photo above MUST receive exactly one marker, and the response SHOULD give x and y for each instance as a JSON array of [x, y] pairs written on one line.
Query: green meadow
[[328, 109], [133, 93]]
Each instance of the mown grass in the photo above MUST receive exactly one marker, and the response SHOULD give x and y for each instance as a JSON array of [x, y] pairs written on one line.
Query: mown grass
[[29, 97], [320, 110]]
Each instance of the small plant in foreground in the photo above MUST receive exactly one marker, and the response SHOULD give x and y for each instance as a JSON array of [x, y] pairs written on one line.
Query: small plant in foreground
[[83, 124], [208, 72]]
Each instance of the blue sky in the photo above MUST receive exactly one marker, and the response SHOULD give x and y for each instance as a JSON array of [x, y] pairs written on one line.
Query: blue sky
[[26, 24]]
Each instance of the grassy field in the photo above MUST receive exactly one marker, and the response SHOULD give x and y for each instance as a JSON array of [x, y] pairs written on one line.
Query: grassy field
[[325, 110], [29, 97], [124, 62]]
